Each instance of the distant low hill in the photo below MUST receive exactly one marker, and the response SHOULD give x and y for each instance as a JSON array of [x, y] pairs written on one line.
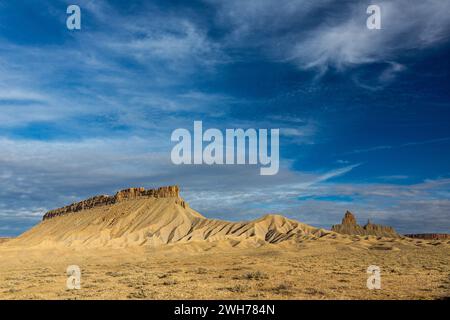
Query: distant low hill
[[429, 236]]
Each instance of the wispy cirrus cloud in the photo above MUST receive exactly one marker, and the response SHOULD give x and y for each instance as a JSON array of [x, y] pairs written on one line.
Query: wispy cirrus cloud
[[339, 40], [403, 145], [139, 69]]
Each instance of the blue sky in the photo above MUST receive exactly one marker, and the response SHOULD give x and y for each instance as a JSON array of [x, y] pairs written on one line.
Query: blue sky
[[363, 114]]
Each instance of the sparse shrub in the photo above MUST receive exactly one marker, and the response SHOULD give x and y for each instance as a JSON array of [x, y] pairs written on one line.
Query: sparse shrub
[[139, 294], [313, 291], [174, 271], [201, 271], [170, 282], [283, 288], [114, 274], [255, 275], [238, 288]]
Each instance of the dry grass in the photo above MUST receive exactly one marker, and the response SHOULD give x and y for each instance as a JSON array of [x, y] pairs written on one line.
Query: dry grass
[[313, 270]]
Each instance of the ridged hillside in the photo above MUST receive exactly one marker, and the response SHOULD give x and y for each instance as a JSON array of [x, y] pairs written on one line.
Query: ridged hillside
[[136, 217]]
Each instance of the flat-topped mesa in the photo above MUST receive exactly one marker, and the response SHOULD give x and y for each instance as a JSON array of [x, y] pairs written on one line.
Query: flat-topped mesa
[[123, 195], [134, 193]]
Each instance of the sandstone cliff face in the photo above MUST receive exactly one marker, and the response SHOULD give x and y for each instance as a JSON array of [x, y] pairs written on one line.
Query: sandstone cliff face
[[349, 219], [349, 226], [429, 236], [123, 195]]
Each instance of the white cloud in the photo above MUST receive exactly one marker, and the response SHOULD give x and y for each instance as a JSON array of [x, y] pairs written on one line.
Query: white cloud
[[328, 34], [126, 76]]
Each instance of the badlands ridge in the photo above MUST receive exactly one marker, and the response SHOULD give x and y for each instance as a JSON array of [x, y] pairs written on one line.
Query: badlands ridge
[[137, 217]]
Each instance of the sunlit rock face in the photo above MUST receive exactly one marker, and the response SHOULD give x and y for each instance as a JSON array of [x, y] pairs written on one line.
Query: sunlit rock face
[[350, 226], [123, 195]]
